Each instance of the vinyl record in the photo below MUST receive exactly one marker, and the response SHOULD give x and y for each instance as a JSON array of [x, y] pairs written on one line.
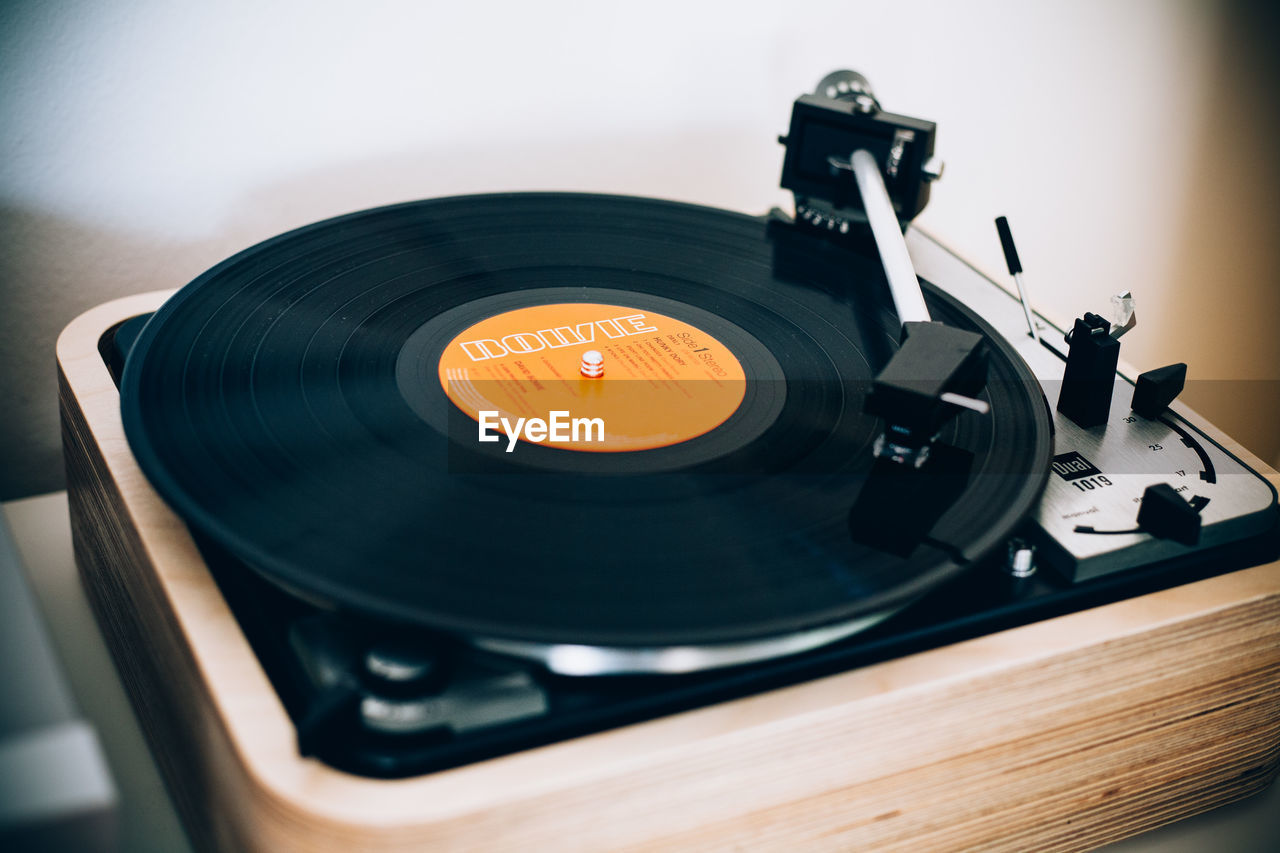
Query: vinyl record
[[301, 404]]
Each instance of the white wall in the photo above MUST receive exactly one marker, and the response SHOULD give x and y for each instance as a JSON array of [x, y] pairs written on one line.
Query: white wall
[[142, 142]]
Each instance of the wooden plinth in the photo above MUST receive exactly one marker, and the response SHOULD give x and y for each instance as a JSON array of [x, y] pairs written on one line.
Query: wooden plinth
[[1063, 734]]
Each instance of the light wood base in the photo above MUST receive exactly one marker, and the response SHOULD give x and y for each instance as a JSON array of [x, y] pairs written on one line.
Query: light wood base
[[1064, 734]]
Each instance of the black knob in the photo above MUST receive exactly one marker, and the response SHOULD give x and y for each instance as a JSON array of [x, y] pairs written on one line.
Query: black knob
[[1166, 515], [1156, 389]]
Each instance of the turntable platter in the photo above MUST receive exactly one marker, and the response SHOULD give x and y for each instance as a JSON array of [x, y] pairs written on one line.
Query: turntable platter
[[297, 404]]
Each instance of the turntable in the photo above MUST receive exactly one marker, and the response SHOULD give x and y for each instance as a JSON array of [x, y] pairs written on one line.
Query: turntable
[[533, 521]]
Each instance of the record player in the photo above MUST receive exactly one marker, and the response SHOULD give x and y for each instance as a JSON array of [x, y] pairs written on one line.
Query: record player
[[863, 552]]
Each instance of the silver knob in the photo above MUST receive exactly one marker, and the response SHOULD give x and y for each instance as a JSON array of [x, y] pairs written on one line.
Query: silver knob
[[932, 169], [1022, 559], [847, 85]]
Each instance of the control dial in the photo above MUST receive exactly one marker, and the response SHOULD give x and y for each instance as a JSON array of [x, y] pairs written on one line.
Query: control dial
[[1099, 477]]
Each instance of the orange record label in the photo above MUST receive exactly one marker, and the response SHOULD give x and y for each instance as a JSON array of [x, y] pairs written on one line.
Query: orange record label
[[651, 379]]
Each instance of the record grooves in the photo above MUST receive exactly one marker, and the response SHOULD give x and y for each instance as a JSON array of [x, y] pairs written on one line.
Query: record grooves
[[281, 404]]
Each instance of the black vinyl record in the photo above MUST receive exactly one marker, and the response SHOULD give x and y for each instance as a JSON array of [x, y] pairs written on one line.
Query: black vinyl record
[[289, 405]]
